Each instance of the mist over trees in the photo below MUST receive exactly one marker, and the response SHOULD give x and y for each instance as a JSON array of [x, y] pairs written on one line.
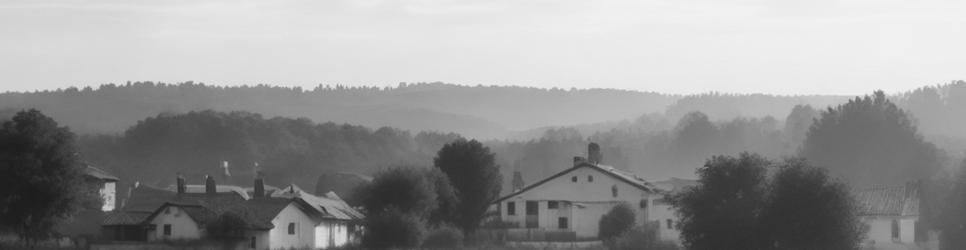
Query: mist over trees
[[870, 140], [475, 111]]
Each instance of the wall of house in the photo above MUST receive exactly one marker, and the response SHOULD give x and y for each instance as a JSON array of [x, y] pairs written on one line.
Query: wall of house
[[331, 233], [108, 196], [304, 236], [880, 229], [661, 212], [262, 240], [587, 201], [183, 227]]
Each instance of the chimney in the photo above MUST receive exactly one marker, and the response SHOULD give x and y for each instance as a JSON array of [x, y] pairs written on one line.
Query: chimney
[[593, 153], [259, 189], [181, 184], [578, 160], [210, 187], [517, 181]]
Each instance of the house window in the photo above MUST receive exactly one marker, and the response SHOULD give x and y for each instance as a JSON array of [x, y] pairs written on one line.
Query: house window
[[562, 223], [613, 190], [590, 178], [251, 244], [895, 229], [167, 229], [291, 228], [643, 203], [670, 224], [552, 205], [511, 208], [573, 179]]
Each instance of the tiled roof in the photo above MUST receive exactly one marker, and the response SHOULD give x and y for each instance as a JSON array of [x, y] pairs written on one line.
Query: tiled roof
[[889, 201], [675, 185], [200, 189], [117, 218], [621, 175], [99, 174], [147, 199], [329, 207]]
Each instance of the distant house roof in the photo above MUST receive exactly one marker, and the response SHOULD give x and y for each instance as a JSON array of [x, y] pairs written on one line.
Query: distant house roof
[[889, 201], [621, 175], [124, 218], [99, 174], [200, 189], [675, 185], [330, 206], [145, 198]]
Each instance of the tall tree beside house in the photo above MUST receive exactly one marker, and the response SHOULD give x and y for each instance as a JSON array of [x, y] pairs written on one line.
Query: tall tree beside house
[[738, 206], [42, 180], [404, 189], [472, 170], [807, 209], [869, 140], [953, 224], [721, 212]]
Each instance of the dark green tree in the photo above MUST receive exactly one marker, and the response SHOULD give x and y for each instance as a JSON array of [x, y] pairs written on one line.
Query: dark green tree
[[722, 211], [807, 209], [446, 210], [403, 189], [42, 180], [953, 224], [615, 222], [392, 229], [472, 170], [870, 141]]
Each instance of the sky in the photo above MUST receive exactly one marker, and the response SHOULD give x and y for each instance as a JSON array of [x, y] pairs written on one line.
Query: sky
[[672, 46]]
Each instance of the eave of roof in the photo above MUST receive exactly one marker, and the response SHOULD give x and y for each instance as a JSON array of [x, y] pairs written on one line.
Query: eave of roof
[[579, 165], [99, 174]]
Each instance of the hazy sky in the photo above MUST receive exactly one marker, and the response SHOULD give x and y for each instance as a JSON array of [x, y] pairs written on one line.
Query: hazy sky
[[674, 46]]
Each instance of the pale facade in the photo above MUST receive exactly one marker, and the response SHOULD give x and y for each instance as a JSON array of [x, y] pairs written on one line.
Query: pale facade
[[293, 229], [569, 205], [174, 223]]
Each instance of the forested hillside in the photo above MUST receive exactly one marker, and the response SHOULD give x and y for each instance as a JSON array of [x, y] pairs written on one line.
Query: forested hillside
[[474, 111]]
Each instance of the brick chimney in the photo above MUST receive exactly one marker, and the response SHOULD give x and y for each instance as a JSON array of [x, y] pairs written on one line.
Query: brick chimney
[[180, 184], [259, 189], [210, 187], [593, 153]]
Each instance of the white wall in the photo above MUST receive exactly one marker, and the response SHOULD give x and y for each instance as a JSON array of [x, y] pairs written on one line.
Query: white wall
[[108, 195], [592, 199], [331, 233], [880, 229], [182, 226], [662, 212], [304, 236], [262, 239]]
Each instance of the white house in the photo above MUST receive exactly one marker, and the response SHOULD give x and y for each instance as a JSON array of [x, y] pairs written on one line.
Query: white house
[[338, 225], [106, 184], [662, 211], [892, 216], [568, 205]]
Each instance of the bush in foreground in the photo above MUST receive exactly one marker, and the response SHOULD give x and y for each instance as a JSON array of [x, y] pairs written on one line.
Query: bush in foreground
[[444, 237], [393, 229]]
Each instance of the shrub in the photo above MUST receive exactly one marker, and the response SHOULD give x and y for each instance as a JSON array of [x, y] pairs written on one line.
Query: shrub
[[615, 222], [639, 238], [444, 237], [393, 229]]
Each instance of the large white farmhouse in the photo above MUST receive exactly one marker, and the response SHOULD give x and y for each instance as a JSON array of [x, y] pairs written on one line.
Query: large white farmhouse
[[568, 206]]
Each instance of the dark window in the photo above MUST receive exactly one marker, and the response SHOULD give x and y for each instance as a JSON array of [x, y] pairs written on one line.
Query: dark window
[[613, 190], [670, 224], [291, 228], [562, 223], [590, 178], [643, 203], [532, 208], [252, 243], [552, 205], [895, 229], [167, 229], [574, 179], [511, 208]]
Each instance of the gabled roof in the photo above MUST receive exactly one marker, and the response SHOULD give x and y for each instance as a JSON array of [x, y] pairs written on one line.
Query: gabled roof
[[889, 201], [330, 207], [624, 176], [200, 189], [145, 198], [675, 185], [99, 174], [119, 218]]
